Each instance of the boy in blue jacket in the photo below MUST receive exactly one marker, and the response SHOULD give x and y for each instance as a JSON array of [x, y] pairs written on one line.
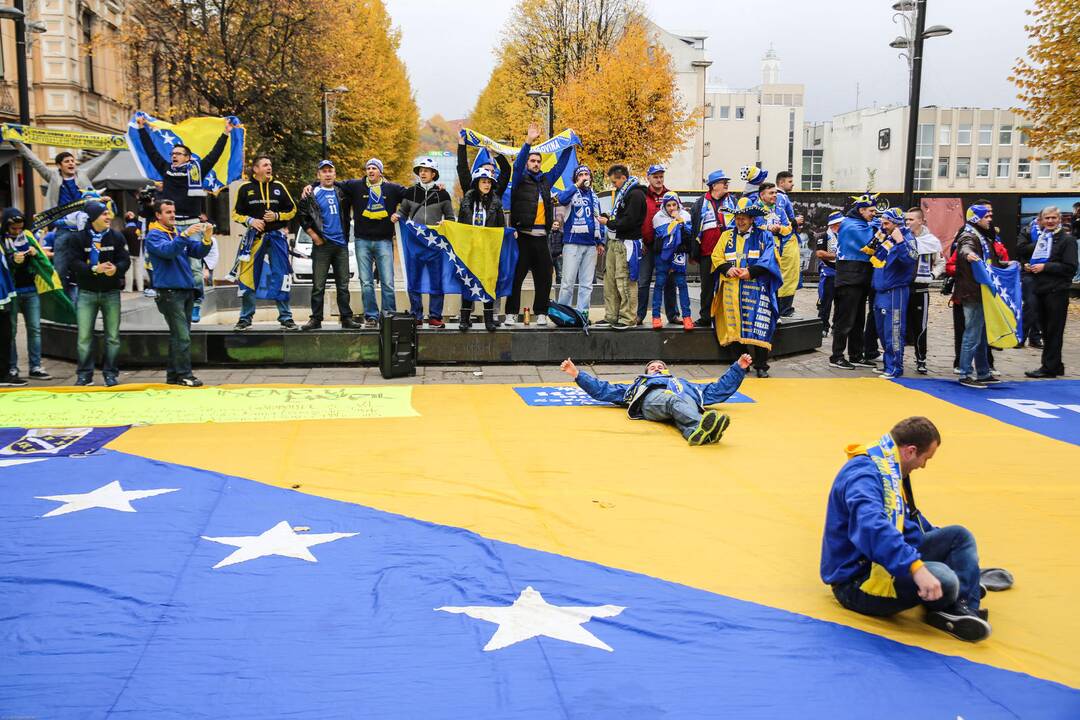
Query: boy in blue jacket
[[661, 397], [878, 552], [672, 233], [895, 256]]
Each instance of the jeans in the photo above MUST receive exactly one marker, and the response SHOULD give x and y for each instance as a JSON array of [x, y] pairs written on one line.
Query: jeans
[[665, 275], [247, 307], [197, 278], [30, 307], [826, 292], [646, 266], [579, 269], [86, 312], [974, 345], [380, 253], [619, 292], [435, 305], [175, 306], [323, 258], [663, 406], [949, 553]]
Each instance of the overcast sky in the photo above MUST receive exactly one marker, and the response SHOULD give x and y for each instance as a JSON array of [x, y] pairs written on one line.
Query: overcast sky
[[829, 45]]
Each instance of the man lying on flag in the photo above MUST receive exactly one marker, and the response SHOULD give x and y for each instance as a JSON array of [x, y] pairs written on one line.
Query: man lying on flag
[[454, 258]]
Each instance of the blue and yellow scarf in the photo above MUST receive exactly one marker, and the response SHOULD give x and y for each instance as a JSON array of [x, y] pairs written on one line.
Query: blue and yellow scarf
[[886, 457], [375, 209]]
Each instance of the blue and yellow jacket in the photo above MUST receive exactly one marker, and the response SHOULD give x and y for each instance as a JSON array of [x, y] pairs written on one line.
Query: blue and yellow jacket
[[632, 394], [894, 263], [169, 252], [858, 531]]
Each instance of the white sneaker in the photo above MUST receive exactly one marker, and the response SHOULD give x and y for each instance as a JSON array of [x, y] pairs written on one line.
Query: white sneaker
[[510, 320], [995, 373], [541, 320], [957, 371]]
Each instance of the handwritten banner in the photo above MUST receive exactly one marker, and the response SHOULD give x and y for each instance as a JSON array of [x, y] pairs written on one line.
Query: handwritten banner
[[63, 138], [41, 408]]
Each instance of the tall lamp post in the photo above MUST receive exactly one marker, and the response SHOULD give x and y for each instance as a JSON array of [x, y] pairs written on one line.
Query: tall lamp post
[[18, 14], [549, 100], [326, 93], [912, 15]]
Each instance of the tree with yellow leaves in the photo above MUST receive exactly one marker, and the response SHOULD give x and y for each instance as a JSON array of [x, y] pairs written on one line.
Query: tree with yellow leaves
[[1049, 79], [626, 107], [503, 111]]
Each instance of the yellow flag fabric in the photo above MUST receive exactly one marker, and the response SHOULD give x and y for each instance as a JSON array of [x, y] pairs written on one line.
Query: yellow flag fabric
[[479, 248]]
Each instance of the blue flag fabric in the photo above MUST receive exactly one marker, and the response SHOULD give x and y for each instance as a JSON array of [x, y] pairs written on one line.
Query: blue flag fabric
[[27, 443], [1002, 303], [199, 134], [459, 259], [210, 596], [559, 155]]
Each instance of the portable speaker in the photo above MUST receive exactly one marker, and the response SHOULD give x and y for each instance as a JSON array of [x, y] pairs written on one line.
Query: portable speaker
[[397, 345]]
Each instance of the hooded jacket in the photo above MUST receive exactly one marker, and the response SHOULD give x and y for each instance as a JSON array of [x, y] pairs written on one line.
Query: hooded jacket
[[971, 239], [672, 239], [632, 395], [426, 206], [169, 253]]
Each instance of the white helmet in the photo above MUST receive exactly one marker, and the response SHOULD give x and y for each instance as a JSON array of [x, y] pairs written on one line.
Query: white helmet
[[428, 163]]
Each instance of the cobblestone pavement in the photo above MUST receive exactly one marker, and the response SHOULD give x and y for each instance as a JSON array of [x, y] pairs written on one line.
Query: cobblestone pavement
[[1011, 363]]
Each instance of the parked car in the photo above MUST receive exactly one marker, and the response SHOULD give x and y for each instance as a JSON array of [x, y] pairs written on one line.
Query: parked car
[[301, 265]]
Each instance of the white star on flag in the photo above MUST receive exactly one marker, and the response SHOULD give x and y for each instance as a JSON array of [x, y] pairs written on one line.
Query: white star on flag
[[110, 497], [168, 138], [279, 540], [532, 616]]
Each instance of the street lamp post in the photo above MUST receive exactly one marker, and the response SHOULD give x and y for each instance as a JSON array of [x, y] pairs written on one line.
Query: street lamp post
[[912, 48], [549, 100], [326, 93], [18, 14]]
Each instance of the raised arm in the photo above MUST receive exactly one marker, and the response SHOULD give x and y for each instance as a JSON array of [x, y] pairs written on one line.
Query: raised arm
[[464, 173], [152, 153], [725, 386], [211, 159], [43, 170], [96, 165], [595, 388]]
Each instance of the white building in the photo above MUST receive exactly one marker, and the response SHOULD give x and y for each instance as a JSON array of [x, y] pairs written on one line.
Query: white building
[[957, 150]]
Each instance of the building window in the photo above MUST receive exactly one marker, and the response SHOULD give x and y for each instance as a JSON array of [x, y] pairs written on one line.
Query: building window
[[1044, 168], [924, 157], [1023, 168], [943, 167], [740, 113], [1003, 167], [767, 99], [791, 139], [1005, 135], [725, 112], [986, 134], [963, 167], [1024, 136], [708, 110], [1064, 170], [982, 168], [88, 43], [811, 169], [963, 134], [945, 135]]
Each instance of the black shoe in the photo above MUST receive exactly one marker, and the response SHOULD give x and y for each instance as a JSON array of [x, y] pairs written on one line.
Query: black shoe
[[842, 364], [79, 382], [189, 381], [675, 321], [1036, 344], [762, 373], [602, 324], [490, 323], [920, 367], [989, 380], [313, 324], [1039, 374], [619, 326], [371, 323], [39, 374], [718, 431], [16, 381], [351, 323], [984, 614], [703, 323], [972, 383], [961, 622], [871, 358], [241, 325], [864, 363], [710, 419], [465, 322], [291, 325], [111, 381]]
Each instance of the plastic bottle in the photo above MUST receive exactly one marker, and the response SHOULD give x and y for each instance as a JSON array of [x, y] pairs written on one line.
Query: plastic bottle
[[526, 317]]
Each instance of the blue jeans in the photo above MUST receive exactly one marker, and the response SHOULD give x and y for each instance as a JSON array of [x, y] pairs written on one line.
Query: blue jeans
[[644, 282], [381, 253], [890, 317], [175, 306], [663, 406], [247, 307], [973, 346], [416, 305], [578, 272], [665, 276], [30, 307], [949, 553], [108, 303]]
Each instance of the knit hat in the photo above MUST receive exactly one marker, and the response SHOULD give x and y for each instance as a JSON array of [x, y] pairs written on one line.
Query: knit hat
[[94, 210], [428, 163], [655, 169], [975, 213], [714, 177], [668, 197], [376, 162], [894, 216], [835, 218], [753, 174], [582, 169]]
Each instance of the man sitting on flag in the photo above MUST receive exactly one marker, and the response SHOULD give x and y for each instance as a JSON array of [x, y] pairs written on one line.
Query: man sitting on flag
[[975, 244], [36, 282], [878, 552], [481, 205], [895, 257], [661, 397], [425, 203], [745, 308], [265, 207]]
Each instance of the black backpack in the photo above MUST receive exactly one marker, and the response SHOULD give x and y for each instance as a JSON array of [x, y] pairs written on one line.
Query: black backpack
[[566, 316]]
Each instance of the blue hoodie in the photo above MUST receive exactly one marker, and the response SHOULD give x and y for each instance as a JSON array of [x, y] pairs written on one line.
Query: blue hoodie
[[899, 261], [632, 394], [169, 252]]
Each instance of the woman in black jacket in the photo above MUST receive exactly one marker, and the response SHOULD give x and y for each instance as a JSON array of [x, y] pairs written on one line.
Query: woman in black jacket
[[481, 205]]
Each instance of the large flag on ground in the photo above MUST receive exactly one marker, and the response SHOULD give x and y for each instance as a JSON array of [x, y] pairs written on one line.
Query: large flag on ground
[[1002, 303], [199, 134], [558, 156], [452, 258]]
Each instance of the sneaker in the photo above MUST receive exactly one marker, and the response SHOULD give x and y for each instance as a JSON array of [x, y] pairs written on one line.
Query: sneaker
[[710, 419], [879, 370], [989, 380], [842, 364], [39, 374], [707, 323], [438, 324], [290, 324], [674, 321], [111, 381], [16, 381], [657, 323], [149, 292], [888, 376], [762, 373], [875, 356], [602, 324], [864, 363], [995, 373], [972, 383], [957, 371], [688, 324], [510, 320], [619, 326], [189, 381], [961, 622], [718, 431], [541, 320], [920, 367], [83, 382], [241, 324], [371, 323], [196, 314], [313, 324]]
